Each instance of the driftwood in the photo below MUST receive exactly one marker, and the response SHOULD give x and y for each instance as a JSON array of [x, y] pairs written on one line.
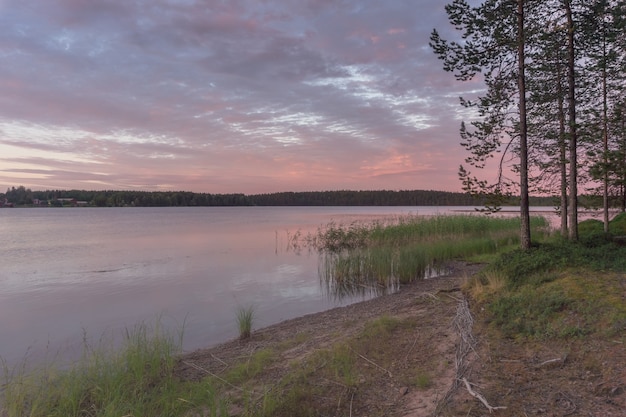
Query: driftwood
[[480, 397]]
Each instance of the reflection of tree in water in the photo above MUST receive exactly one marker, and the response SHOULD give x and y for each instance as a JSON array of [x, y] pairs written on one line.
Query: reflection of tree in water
[[295, 242], [357, 273]]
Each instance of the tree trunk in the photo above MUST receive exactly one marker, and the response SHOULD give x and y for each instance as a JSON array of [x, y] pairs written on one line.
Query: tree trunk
[[562, 150], [525, 239], [623, 176], [605, 135], [573, 157]]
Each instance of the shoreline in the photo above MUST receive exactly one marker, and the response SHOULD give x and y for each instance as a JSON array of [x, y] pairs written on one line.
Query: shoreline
[[456, 272], [428, 347]]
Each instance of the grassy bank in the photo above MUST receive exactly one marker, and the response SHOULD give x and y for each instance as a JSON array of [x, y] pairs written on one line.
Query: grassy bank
[[558, 291], [552, 322]]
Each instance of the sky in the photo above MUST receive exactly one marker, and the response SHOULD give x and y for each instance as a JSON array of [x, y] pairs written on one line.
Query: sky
[[227, 96]]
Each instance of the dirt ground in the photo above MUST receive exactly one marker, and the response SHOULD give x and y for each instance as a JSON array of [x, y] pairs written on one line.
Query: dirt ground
[[427, 367]]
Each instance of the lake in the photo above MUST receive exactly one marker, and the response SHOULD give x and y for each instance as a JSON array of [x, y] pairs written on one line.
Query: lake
[[71, 273]]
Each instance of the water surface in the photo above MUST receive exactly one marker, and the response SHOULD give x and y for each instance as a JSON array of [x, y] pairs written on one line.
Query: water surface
[[68, 271]]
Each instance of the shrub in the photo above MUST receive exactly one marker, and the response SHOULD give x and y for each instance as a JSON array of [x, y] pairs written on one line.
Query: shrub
[[617, 226]]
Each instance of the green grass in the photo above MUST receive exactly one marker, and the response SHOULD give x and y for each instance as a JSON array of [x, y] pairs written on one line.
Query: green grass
[[251, 367], [423, 380], [134, 380], [575, 302]]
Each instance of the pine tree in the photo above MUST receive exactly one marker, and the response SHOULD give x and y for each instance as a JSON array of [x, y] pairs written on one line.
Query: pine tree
[[493, 45]]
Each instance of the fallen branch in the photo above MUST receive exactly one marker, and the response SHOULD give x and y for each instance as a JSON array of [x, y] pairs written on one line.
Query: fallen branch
[[453, 289], [549, 362], [376, 365], [406, 357], [219, 360], [480, 397], [428, 294], [351, 398], [458, 300]]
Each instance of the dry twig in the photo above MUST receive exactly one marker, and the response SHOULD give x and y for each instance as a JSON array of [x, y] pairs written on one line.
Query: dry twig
[[480, 397], [549, 361]]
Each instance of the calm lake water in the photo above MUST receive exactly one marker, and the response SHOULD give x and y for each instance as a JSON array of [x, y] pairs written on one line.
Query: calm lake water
[[71, 272]]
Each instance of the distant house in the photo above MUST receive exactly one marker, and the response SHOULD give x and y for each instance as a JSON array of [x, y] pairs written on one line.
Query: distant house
[[67, 201], [38, 202], [5, 203], [72, 202]]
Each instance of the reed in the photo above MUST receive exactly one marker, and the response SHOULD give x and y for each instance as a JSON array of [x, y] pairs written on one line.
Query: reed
[[377, 257]]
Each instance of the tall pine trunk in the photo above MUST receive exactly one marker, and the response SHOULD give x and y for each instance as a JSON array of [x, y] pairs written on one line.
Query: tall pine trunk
[[521, 82], [605, 135], [623, 170], [562, 151], [573, 156]]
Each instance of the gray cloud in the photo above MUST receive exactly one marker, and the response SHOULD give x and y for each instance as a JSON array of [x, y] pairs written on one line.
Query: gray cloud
[[237, 96]]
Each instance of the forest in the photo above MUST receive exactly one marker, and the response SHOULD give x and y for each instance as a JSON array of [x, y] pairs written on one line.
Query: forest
[[25, 197], [22, 196], [552, 111]]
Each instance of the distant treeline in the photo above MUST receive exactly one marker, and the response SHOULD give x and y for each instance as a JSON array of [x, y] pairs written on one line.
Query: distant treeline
[[22, 196]]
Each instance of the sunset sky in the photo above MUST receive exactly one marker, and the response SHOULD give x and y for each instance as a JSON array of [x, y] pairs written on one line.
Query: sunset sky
[[227, 96]]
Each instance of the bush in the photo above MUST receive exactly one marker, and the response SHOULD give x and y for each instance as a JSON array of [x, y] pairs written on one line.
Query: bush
[[528, 312], [522, 266], [590, 226], [617, 226]]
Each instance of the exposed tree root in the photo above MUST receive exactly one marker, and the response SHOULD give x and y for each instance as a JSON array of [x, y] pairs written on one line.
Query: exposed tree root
[[463, 322]]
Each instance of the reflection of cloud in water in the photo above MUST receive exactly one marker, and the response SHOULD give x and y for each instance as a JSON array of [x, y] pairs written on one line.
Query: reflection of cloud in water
[[299, 284], [285, 280], [289, 269]]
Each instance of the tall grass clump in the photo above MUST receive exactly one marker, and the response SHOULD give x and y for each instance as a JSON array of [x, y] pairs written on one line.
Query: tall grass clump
[[135, 379], [379, 256], [245, 318]]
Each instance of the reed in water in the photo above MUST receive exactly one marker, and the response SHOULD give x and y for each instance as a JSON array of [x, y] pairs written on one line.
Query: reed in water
[[378, 256]]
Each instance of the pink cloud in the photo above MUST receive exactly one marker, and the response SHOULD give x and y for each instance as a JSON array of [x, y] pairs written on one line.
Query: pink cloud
[[237, 96]]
